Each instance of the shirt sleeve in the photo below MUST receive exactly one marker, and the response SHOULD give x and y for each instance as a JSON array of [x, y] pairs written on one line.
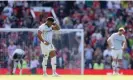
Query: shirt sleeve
[[41, 28], [124, 39], [111, 37], [23, 52], [47, 29]]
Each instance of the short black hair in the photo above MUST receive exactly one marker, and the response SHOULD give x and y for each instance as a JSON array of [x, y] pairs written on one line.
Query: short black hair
[[50, 19]]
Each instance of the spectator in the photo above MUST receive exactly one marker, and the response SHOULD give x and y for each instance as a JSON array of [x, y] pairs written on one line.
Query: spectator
[[78, 25], [107, 62], [88, 56], [126, 60], [60, 62], [67, 22], [107, 52], [33, 65], [97, 34], [1, 21], [97, 54], [7, 24], [7, 11], [98, 64], [11, 48]]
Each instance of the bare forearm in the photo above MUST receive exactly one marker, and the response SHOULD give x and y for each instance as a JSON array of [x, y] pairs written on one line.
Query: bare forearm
[[56, 27], [40, 38], [124, 45], [109, 43]]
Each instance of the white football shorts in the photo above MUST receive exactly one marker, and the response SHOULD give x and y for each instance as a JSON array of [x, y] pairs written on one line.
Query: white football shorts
[[117, 54], [46, 49]]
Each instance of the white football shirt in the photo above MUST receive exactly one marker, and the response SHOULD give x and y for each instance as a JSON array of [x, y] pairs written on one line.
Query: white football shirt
[[19, 51], [117, 40], [47, 33]]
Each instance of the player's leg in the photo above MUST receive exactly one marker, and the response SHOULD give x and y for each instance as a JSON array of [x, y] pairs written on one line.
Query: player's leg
[[119, 61], [53, 62], [114, 61], [21, 63], [45, 58], [21, 66], [44, 64], [10, 66], [15, 63]]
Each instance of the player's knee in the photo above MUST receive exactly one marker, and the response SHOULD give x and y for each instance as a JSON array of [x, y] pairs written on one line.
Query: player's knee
[[114, 59], [52, 54], [120, 61]]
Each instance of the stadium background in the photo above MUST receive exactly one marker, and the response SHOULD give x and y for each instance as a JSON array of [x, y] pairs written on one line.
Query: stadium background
[[99, 19]]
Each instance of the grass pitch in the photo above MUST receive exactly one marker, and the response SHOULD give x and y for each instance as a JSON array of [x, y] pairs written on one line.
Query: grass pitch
[[66, 77]]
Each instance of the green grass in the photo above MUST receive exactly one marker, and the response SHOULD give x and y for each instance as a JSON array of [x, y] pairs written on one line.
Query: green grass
[[66, 77]]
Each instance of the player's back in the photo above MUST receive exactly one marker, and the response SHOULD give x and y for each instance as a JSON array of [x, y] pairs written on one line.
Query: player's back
[[19, 51]]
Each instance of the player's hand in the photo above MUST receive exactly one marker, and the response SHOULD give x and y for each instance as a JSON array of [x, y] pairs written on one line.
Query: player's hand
[[112, 47], [46, 43], [54, 23], [123, 48]]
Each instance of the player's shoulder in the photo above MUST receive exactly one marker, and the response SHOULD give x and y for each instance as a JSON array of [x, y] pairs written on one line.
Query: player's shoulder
[[113, 34], [123, 35], [42, 25], [18, 49]]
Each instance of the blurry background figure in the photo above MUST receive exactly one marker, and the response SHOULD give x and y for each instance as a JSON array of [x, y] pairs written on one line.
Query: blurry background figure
[[33, 65], [88, 56], [107, 62], [60, 61], [126, 60], [98, 64], [107, 52], [11, 49]]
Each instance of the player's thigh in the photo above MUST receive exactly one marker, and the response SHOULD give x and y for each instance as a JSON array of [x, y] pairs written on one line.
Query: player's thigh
[[120, 55], [52, 52], [10, 62], [44, 49], [114, 54]]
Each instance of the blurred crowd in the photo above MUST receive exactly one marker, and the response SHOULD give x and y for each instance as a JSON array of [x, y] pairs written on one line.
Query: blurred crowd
[[99, 19]]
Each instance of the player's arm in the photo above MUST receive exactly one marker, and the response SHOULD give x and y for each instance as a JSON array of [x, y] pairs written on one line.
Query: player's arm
[[21, 67], [109, 41], [39, 35], [55, 26], [124, 44]]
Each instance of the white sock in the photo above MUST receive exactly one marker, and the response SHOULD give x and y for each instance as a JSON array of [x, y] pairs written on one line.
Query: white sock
[[114, 66], [21, 63], [44, 63], [14, 67], [53, 63], [117, 67]]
